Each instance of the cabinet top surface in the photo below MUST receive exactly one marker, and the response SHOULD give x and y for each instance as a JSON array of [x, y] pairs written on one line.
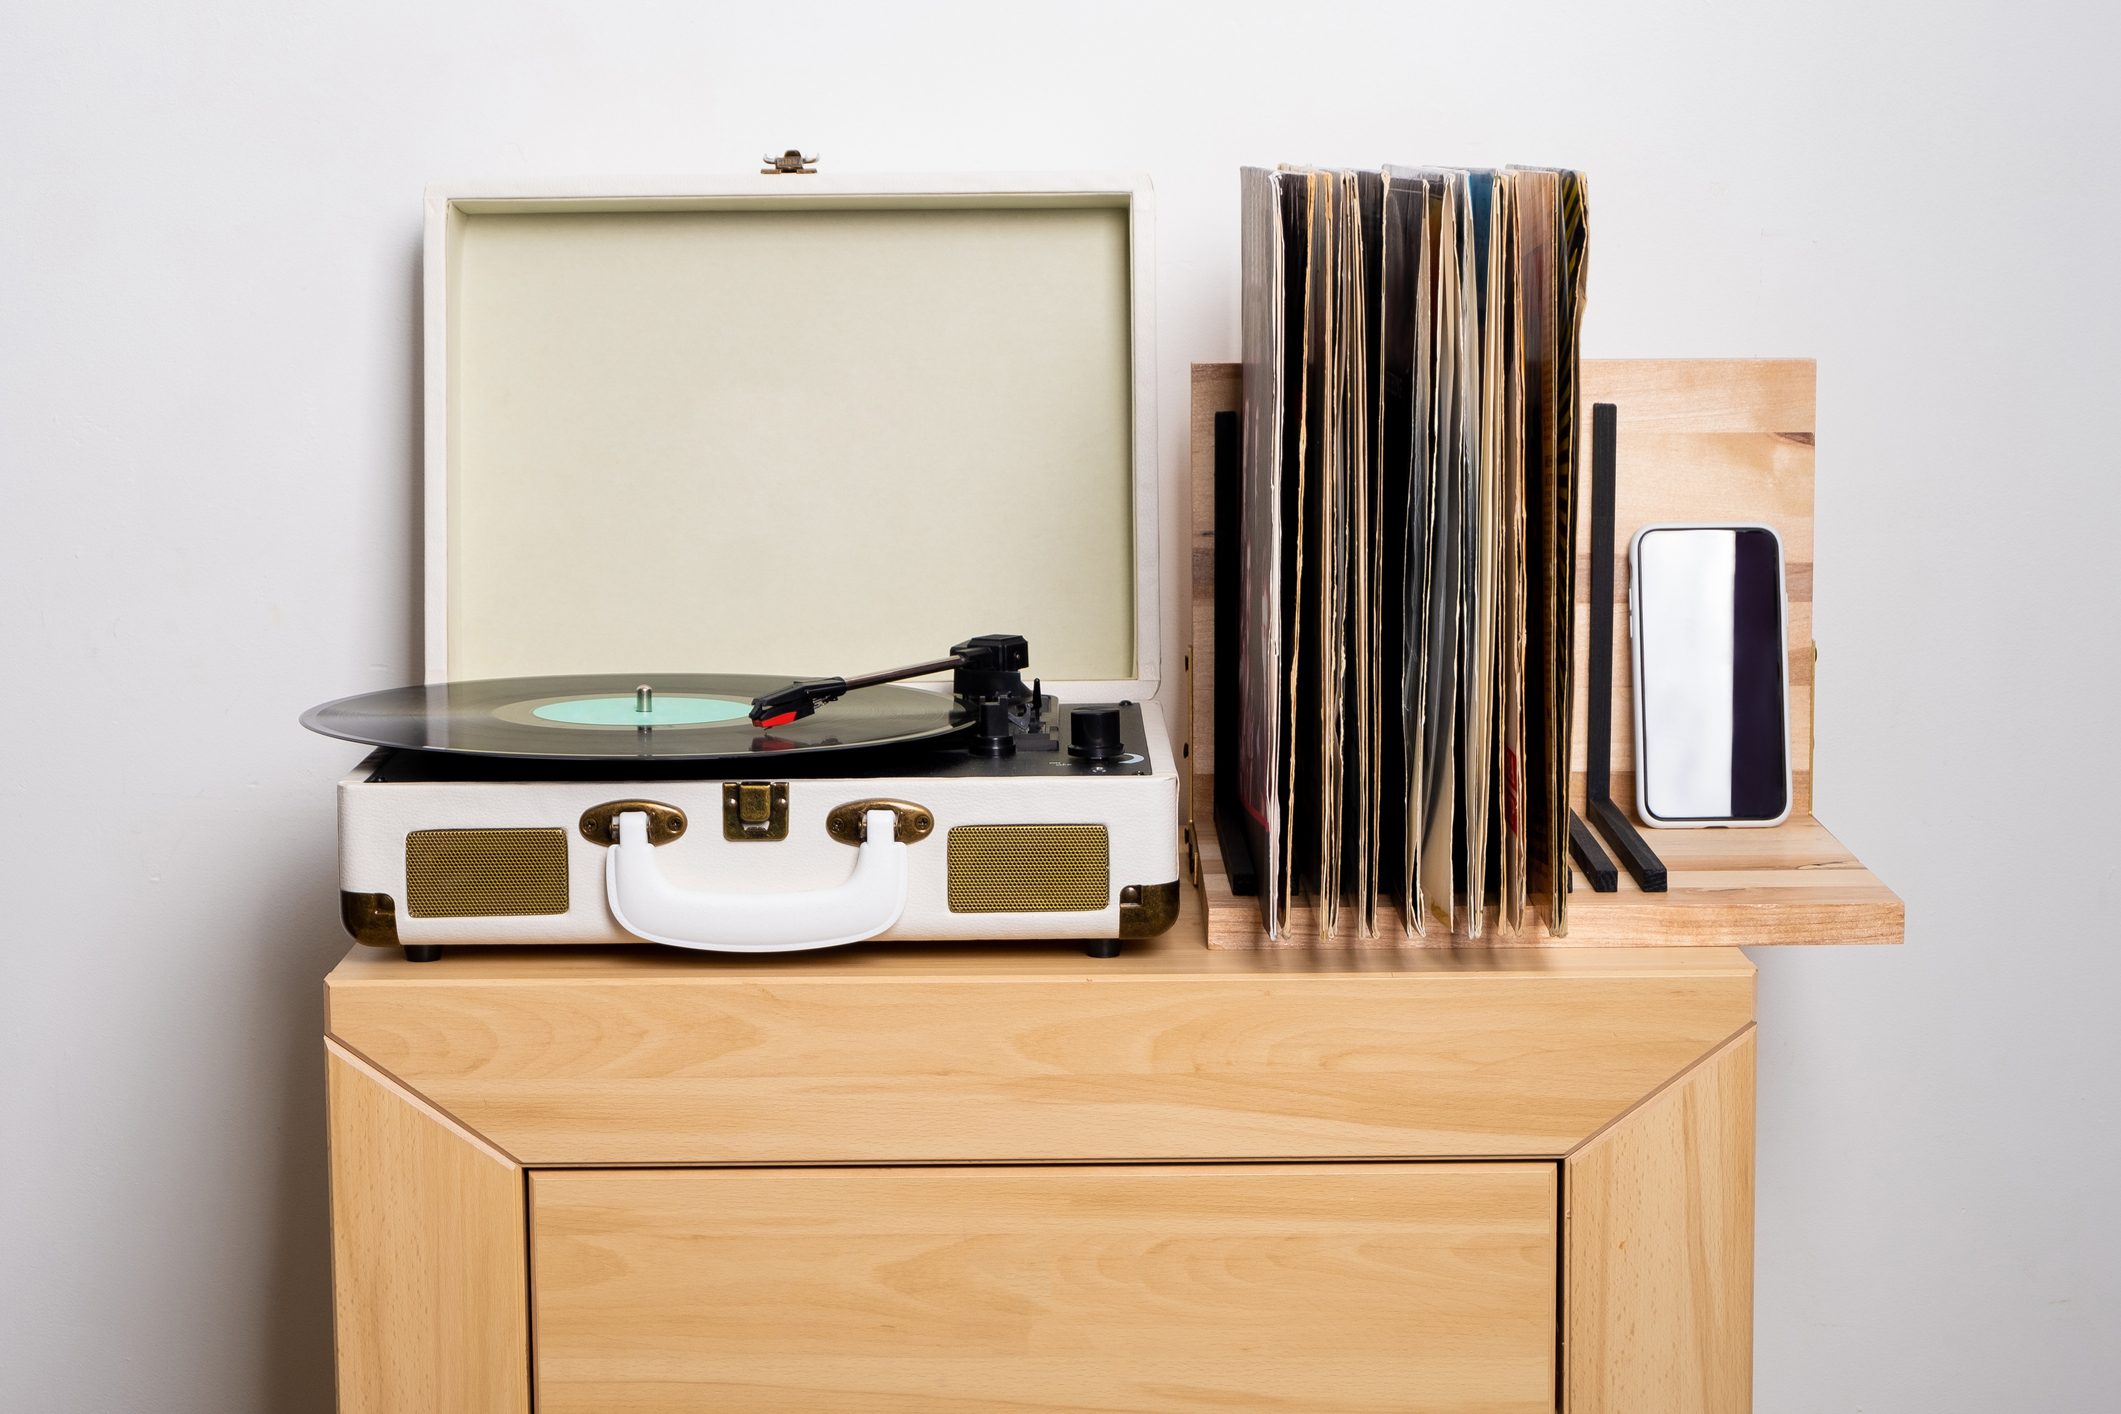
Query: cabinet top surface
[[1179, 954]]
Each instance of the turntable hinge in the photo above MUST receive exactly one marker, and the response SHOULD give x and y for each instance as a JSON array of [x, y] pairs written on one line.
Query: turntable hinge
[[755, 810], [789, 164]]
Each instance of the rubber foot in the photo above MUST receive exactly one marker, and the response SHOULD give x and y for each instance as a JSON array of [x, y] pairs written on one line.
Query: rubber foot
[[423, 952], [1102, 947]]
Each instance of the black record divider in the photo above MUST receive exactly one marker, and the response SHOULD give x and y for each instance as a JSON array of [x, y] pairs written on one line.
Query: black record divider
[[1229, 586], [1641, 860], [1591, 858]]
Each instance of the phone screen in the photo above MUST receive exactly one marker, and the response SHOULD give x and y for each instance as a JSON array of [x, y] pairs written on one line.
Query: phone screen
[[1710, 674]]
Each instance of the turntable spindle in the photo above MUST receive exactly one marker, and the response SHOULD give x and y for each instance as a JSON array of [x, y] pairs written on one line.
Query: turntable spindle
[[644, 699]]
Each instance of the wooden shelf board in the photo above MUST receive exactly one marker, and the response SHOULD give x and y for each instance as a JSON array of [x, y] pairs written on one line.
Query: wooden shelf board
[[1794, 884], [1699, 438]]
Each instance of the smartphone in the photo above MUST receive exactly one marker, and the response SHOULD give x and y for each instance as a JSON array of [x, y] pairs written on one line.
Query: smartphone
[[1706, 616]]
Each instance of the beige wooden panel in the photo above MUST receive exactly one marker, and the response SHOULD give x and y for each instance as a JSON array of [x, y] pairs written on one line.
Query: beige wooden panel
[[1727, 439], [1659, 1245], [1724, 462], [1327, 1289], [1707, 394], [430, 1309], [690, 1059]]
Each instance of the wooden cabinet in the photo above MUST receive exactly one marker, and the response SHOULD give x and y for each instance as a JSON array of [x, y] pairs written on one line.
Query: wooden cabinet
[[1015, 1178], [1472, 1176]]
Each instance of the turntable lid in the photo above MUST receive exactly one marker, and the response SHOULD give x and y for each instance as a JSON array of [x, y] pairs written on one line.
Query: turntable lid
[[791, 425]]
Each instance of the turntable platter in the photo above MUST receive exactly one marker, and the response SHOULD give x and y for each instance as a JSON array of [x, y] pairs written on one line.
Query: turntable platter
[[606, 717]]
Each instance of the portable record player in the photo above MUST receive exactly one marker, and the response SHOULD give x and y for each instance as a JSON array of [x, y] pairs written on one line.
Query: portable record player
[[688, 442]]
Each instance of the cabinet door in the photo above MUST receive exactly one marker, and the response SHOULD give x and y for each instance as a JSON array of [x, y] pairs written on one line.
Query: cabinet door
[[1320, 1288]]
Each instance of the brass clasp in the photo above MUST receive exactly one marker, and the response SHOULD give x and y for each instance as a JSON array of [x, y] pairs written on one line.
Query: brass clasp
[[755, 810]]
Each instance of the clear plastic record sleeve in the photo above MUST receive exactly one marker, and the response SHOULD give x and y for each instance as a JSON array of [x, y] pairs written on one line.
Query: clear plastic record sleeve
[[1511, 601], [1318, 482], [1300, 475], [1303, 488], [1429, 590], [1345, 719], [1549, 569], [1297, 282], [1453, 368], [1575, 265], [1325, 545], [1402, 528], [1262, 782], [1487, 199], [1369, 767]]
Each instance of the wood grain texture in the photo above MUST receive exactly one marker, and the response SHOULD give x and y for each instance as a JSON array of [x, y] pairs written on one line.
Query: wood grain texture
[[1178, 953], [1728, 439], [1327, 1289], [1708, 394], [1659, 1243], [614, 1056], [1704, 440], [1795, 884], [429, 1274]]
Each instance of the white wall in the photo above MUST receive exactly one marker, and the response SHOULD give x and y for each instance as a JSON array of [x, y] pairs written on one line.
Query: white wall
[[208, 232]]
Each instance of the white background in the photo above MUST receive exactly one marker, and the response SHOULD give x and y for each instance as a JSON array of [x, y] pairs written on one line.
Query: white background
[[209, 225]]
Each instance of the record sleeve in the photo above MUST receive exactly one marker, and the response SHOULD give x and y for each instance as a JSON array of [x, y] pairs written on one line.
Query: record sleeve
[[1262, 789]]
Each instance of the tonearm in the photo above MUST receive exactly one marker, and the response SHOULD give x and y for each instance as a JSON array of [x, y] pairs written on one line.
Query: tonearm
[[985, 668]]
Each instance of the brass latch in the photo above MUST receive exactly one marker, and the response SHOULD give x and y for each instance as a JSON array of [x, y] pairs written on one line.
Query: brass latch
[[755, 810], [790, 163]]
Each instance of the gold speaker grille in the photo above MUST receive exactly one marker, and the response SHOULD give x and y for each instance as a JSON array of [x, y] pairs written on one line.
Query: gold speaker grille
[[1029, 869], [485, 873]]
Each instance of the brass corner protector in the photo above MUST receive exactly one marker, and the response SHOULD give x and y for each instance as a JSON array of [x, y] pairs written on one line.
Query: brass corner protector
[[1147, 909], [372, 919]]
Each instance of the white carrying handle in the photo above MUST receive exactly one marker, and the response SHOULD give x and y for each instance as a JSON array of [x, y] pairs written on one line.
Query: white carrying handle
[[649, 906]]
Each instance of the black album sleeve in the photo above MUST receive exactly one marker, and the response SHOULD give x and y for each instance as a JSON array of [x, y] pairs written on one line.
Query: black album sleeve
[[1759, 730]]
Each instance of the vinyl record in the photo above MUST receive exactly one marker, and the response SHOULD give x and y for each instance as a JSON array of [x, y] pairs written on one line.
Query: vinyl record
[[691, 717]]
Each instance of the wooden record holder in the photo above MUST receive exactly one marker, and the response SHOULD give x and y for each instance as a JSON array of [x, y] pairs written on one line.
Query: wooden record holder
[[1707, 439]]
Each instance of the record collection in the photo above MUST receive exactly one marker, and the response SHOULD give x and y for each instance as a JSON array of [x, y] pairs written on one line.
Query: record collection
[[1409, 501]]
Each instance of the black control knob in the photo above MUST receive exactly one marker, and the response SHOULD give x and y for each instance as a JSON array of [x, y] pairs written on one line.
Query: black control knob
[[1093, 734], [991, 735]]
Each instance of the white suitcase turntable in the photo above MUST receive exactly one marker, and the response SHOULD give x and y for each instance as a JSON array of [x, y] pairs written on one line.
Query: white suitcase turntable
[[686, 437]]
